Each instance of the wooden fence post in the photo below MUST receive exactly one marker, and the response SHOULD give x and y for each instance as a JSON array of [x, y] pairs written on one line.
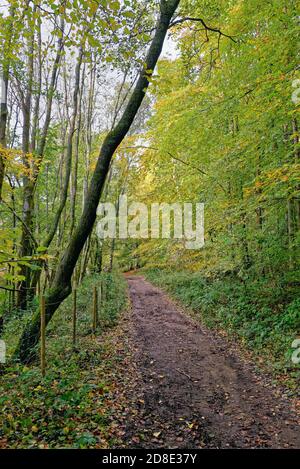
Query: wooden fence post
[[100, 298], [74, 316], [39, 286], [43, 335], [95, 310], [103, 288]]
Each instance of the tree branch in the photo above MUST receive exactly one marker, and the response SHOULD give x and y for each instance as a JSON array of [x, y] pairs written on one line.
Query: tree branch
[[207, 28], [172, 156], [180, 161]]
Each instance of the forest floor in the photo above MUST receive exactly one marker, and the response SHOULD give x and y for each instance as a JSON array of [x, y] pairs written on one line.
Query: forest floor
[[189, 387]]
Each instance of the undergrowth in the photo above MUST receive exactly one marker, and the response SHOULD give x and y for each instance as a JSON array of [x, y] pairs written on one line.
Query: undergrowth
[[66, 407]]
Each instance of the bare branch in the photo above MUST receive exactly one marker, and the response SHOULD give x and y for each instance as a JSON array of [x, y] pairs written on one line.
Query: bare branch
[[172, 156], [207, 28], [177, 159]]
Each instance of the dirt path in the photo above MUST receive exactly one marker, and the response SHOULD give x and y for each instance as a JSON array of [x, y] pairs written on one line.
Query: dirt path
[[196, 392]]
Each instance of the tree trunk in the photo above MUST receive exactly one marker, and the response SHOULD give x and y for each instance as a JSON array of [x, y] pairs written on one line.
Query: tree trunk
[[68, 163], [85, 259], [296, 141], [28, 199], [3, 91], [113, 242], [61, 286], [3, 119], [76, 158]]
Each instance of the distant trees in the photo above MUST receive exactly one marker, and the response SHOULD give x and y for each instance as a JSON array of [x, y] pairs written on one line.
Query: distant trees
[[38, 71], [60, 283], [46, 129]]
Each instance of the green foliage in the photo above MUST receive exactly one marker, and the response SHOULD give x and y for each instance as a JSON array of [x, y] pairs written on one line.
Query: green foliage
[[225, 109], [66, 408]]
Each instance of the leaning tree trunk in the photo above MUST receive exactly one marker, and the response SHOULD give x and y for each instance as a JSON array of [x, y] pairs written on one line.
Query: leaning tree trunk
[[61, 286]]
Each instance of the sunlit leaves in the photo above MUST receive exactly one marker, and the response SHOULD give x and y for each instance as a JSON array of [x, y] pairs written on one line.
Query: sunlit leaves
[[230, 115]]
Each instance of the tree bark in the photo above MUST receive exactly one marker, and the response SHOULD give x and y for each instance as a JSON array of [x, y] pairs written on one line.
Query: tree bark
[[76, 159], [296, 142], [3, 119], [3, 91], [61, 286]]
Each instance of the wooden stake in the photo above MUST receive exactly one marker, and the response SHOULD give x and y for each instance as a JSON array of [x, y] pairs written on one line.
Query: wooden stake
[[100, 296], [74, 316], [95, 310], [43, 335], [39, 286], [103, 287], [99, 301]]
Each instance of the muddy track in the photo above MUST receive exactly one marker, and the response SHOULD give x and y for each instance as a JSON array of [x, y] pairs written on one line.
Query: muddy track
[[196, 391]]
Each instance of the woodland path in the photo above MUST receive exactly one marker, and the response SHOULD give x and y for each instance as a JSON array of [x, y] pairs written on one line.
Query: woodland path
[[197, 391]]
